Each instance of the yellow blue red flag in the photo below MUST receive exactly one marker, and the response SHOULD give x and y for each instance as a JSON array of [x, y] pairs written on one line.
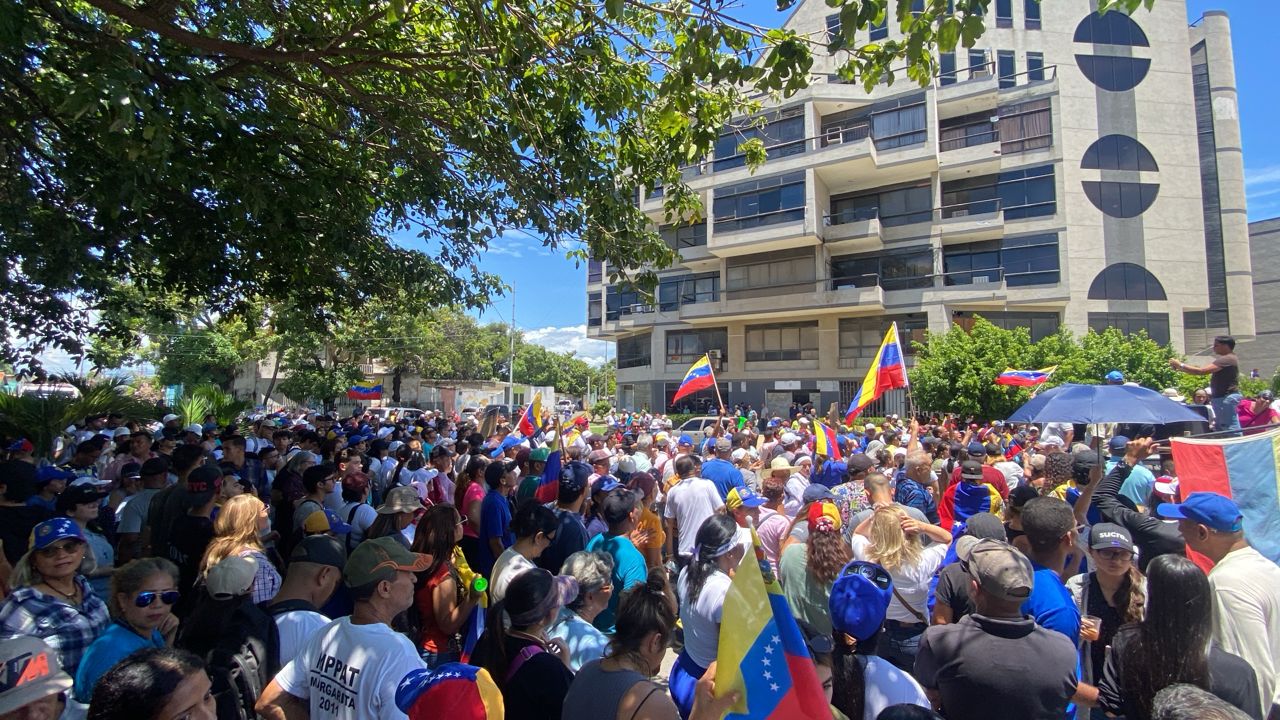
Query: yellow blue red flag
[[531, 419], [826, 443], [698, 378], [365, 390], [888, 371]]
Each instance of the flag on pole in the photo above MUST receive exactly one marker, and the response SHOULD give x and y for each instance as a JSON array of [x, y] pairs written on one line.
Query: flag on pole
[[826, 443], [1245, 469], [888, 371], [365, 390], [762, 653], [548, 490], [1024, 378], [531, 418], [698, 378]]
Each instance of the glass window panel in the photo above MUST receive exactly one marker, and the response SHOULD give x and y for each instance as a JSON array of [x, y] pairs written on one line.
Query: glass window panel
[[1007, 68], [947, 68], [1035, 66], [1031, 10]]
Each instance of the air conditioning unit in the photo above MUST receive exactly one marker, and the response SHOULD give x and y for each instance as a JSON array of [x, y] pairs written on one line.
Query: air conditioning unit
[[981, 280]]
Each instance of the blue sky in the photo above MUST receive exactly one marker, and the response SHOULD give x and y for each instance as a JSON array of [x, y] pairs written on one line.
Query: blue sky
[[551, 292]]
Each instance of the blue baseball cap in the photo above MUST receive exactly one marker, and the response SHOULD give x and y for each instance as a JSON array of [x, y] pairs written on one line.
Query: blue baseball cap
[[508, 442], [859, 599], [1117, 444], [1115, 376], [742, 497], [575, 475], [51, 531], [46, 473], [605, 483], [1214, 511], [335, 523], [685, 440]]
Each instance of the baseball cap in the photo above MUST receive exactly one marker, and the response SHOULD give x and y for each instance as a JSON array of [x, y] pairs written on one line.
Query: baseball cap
[[723, 444], [380, 559], [1214, 511], [452, 690], [738, 454], [976, 449], [605, 483], [169, 418], [51, 531], [1117, 444], [204, 481], [21, 445], [600, 455], [742, 497], [985, 525], [860, 463], [536, 455], [1110, 535], [320, 550], [788, 438], [131, 470], [1167, 485], [120, 432], [29, 671], [859, 599], [998, 567], [574, 475], [1115, 376], [971, 470], [232, 577], [403, 499], [78, 495], [323, 521], [814, 492], [158, 465], [685, 440], [48, 473], [508, 442]]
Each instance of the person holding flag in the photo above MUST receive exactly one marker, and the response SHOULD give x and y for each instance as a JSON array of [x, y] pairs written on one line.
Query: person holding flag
[[888, 371], [699, 377], [530, 422]]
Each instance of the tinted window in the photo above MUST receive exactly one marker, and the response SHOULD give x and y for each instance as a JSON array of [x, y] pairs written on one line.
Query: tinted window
[[833, 31], [1111, 28], [1116, 74], [1126, 281], [634, 351], [1118, 152], [1035, 67], [1007, 68], [895, 271], [1004, 13], [689, 345], [755, 203], [1121, 199], [978, 64], [1155, 325], [787, 341], [1031, 8], [880, 30], [947, 68], [782, 136]]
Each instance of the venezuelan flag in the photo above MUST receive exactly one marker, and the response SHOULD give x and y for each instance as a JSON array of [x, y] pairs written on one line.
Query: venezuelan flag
[[963, 500], [825, 442], [762, 653], [1024, 378], [698, 378], [548, 490], [531, 418], [888, 371], [365, 390], [1245, 469]]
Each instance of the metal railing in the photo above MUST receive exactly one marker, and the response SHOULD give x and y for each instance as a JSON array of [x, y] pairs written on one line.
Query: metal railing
[[969, 140], [800, 210], [985, 206]]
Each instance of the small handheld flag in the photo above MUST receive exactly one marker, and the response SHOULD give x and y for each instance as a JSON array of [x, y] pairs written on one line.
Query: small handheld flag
[[365, 390], [826, 443], [888, 371], [1024, 378], [699, 377], [531, 418]]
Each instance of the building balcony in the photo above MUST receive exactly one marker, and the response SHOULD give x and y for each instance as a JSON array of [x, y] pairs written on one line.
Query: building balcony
[[800, 300], [853, 231], [774, 230], [967, 222]]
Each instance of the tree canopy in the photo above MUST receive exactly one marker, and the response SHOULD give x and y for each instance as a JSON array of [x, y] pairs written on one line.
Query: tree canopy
[[225, 154]]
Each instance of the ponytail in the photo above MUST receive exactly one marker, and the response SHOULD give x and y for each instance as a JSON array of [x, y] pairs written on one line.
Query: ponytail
[[848, 675], [1131, 599], [709, 544], [492, 644]]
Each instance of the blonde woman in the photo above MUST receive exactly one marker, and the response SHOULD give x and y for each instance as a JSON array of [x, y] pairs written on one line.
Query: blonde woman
[[238, 531], [891, 539]]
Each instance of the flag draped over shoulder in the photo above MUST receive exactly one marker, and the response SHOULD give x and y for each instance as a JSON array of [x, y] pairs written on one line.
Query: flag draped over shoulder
[[1245, 469], [1024, 378], [762, 653], [365, 390], [825, 442], [888, 371], [698, 378], [531, 418]]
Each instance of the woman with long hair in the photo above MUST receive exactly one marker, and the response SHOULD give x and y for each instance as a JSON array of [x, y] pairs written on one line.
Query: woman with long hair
[[807, 569], [238, 531], [1172, 645], [703, 586], [891, 539], [529, 667], [395, 514], [442, 602], [535, 529], [468, 495], [155, 684], [50, 599], [143, 593], [1114, 593]]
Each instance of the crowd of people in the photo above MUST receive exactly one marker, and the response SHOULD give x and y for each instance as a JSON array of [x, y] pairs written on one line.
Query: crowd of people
[[308, 565]]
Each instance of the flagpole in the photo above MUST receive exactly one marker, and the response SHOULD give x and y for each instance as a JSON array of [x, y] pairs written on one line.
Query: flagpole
[[911, 401], [715, 384]]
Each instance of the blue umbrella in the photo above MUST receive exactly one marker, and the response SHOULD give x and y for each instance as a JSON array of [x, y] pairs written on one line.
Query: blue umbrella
[[1103, 404]]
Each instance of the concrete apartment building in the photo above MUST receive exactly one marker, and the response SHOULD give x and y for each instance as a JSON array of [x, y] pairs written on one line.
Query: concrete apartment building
[[1264, 352], [1072, 169]]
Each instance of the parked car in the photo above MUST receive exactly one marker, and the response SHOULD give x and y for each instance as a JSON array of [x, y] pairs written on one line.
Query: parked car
[[565, 406], [401, 413], [468, 413], [697, 427]]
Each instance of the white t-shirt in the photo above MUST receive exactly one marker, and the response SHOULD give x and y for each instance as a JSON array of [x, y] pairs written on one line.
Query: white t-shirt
[[360, 521], [691, 501], [702, 617], [794, 489], [296, 627], [351, 671], [506, 568], [912, 583], [743, 536], [887, 685]]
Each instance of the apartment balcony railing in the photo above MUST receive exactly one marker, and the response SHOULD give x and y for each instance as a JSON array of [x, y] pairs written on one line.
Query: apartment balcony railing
[[988, 206]]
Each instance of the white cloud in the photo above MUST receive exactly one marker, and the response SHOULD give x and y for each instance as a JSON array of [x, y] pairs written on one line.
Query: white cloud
[[570, 338], [1262, 176]]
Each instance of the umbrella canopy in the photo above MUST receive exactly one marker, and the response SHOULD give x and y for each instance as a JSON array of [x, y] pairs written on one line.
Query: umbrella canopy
[[1103, 404]]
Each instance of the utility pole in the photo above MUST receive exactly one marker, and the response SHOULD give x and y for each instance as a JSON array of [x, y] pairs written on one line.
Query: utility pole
[[511, 366]]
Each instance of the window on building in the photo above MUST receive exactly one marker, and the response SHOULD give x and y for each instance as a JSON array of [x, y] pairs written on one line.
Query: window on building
[[846, 126], [1004, 13], [1126, 281], [633, 351], [686, 346], [899, 122], [968, 130], [785, 271], [687, 290], [1007, 67], [1022, 193], [834, 38], [910, 268], [971, 264], [755, 203], [595, 271], [1121, 199], [657, 191], [1155, 325], [1041, 325], [1118, 152], [703, 401], [1031, 10], [1031, 260], [861, 337], [594, 312], [947, 68], [782, 135], [917, 8], [880, 30], [1110, 28], [679, 237], [895, 206], [1025, 126], [783, 341], [623, 300], [1035, 67], [1116, 74], [970, 196], [978, 67]]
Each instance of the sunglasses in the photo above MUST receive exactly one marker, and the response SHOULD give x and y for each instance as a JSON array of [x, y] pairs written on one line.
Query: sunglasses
[[877, 575], [145, 599], [69, 547]]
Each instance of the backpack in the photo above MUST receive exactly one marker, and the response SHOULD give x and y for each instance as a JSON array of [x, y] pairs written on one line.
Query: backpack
[[241, 647]]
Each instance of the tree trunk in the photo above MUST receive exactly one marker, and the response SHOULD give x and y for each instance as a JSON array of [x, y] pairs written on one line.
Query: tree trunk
[[271, 386], [395, 384]]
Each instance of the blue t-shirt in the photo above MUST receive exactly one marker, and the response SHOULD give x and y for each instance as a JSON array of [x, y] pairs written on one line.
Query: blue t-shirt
[[1138, 486], [628, 569], [725, 476], [1053, 608], [571, 536], [831, 474], [114, 644], [495, 521]]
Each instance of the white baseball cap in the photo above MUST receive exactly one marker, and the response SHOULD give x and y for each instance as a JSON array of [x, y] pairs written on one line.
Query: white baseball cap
[[168, 418]]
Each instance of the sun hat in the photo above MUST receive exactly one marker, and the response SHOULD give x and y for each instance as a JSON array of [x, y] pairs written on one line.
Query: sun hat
[[781, 463]]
